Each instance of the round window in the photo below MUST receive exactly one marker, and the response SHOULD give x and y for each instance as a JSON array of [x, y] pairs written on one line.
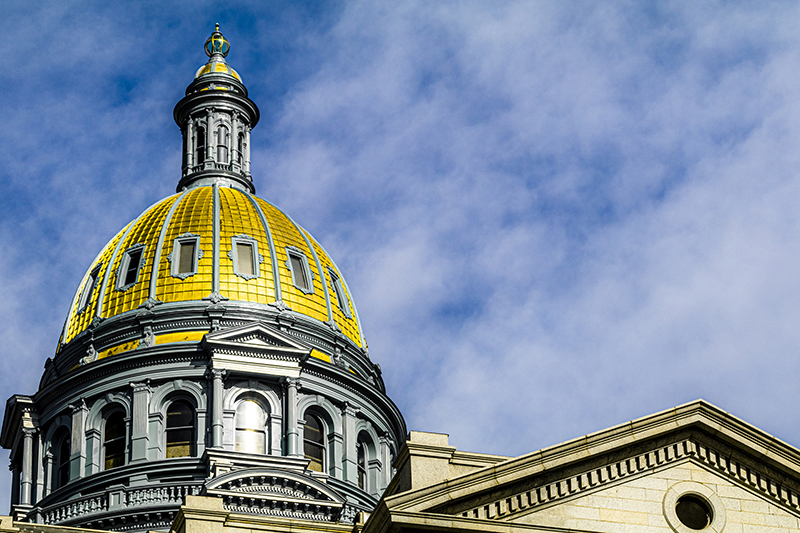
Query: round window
[[690, 507], [694, 512]]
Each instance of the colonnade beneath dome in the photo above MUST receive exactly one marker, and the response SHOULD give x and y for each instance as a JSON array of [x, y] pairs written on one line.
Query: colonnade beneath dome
[[358, 449]]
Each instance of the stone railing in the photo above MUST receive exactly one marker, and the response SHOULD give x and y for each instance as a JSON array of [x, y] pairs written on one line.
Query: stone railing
[[122, 500]]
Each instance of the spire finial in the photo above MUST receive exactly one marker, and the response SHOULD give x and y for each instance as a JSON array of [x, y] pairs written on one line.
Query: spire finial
[[217, 43]]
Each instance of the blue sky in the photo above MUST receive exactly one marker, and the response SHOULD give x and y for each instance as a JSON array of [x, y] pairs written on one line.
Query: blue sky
[[554, 216]]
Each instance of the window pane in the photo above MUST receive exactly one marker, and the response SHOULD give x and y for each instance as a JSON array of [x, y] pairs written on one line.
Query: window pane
[[315, 452], [63, 462], [180, 414], [299, 271], [250, 441], [312, 430], [186, 263], [201, 146], [114, 453], [88, 288], [134, 258], [249, 415], [115, 427], [244, 254], [180, 430], [179, 449]]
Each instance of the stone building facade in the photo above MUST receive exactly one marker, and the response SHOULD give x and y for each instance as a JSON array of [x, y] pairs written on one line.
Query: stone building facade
[[212, 375]]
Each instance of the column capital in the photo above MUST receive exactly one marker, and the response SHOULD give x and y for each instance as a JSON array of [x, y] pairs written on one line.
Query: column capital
[[216, 373], [143, 386], [349, 409], [80, 406]]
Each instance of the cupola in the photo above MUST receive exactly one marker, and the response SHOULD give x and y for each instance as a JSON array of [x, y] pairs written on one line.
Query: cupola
[[216, 117]]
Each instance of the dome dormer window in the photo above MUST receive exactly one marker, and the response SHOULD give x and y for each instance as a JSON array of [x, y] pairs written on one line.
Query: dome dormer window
[[245, 256], [88, 289], [128, 273], [341, 295], [186, 253], [301, 273]]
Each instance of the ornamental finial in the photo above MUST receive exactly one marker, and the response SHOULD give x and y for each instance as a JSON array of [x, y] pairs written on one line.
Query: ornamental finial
[[217, 43]]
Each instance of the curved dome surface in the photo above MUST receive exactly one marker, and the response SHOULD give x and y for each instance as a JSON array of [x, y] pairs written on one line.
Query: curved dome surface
[[289, 268]]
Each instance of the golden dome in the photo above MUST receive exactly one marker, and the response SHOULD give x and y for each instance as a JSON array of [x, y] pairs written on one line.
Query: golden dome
[[216, 243]]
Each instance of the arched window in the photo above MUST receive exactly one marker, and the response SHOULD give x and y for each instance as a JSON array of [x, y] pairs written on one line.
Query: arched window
[[114, 440], [314, 443], [62, 449], [250, 434], [361, 453], [240, 148], [222, 144], [200, 146], [180, 429]]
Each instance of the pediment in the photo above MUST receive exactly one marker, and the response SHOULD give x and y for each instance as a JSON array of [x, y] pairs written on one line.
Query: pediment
[[269, 491], [255, 338], [696, 443]]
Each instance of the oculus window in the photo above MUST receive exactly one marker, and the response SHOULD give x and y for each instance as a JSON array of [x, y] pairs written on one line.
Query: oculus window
[[128, 273], [88, 289], [245, 256], [341, 295], [297, 263], [186, 253], [180, 429], [250, 424], [114, 441], [314, 443]]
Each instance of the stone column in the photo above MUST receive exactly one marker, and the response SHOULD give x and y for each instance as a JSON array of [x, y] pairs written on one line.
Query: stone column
[[210, 137], [246, 148], [350, 455], [26, 483], [292, 433], [77, 452], [140, 438], [190, 141], [217, 392]]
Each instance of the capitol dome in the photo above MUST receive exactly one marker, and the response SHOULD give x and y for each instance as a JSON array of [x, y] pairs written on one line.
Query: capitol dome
[[219, 244], [212, 348]]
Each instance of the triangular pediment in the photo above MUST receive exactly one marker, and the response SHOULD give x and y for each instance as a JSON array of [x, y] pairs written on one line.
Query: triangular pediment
[[256, 337], [635, 462]]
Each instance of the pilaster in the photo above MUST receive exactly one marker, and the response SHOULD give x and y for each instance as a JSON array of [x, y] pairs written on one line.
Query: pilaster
[[291, 386], [350, 456], [140, 438], [77, 452]]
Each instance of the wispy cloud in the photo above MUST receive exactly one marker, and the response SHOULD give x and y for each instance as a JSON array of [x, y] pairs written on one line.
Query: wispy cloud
[[553, 217]]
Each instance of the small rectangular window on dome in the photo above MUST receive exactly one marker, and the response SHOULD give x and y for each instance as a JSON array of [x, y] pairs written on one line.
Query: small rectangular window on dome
[[128, 272], [245, 256], [186, 263], [299, 271], [244, 252], [185, 255], [341, 295], [88, 289]]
